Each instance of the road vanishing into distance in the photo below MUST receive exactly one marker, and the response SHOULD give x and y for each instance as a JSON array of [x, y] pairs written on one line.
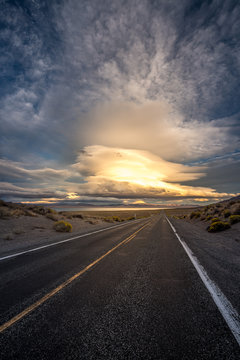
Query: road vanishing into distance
[[129, 292]]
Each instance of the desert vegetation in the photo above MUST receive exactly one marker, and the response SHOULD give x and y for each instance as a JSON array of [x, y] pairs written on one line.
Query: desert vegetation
[[218, 226], [234, 219], [218, 217], [109, 216], [8, 210], [62, 226], [25, 221]]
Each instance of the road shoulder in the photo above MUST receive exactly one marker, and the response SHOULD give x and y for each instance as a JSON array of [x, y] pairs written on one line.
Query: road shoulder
[[218, 253]]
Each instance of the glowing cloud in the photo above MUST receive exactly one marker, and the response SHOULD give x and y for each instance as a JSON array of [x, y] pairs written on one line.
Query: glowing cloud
[[130, 173]]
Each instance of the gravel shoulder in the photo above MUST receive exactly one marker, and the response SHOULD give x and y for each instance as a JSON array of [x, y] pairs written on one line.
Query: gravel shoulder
[[218, 253]]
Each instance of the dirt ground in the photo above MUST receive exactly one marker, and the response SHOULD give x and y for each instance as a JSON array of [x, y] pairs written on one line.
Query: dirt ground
[[22, 232]]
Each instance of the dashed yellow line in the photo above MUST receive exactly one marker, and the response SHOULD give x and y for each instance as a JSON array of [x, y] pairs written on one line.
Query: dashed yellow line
[[65, 283]]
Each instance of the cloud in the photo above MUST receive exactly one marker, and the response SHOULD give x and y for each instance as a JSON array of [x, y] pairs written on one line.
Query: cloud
[[154, 126], [135, 165], [183, 55], [222, 172], [161, 76], [128, 173], [138, 52], [10, 191], [107, 175], [19, 182], [14, 171]]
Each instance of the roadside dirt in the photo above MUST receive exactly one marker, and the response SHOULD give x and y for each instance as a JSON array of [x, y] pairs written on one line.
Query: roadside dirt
[[24, 231]]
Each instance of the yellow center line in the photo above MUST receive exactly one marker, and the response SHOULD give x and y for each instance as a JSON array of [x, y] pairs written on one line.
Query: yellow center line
[[65, 283]]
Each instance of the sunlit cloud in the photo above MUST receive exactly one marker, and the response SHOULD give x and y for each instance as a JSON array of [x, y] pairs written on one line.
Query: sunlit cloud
[[128, 173], [72, 196], [156, 127], [203, 199]]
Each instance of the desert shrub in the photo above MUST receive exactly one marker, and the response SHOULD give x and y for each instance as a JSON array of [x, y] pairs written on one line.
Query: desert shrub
[[40, 210], [17, 212], [234, 219], [4, 213], [78, 216], [52, 217], [43, 211], [30, 213], [62, 226], [92, 222], [203, 218], [195, 214], [236, 210], [226, 213], [216, 211], [208, 217], [108, 219], [116, 218], [215, 219], [51, 211], [218, 226]]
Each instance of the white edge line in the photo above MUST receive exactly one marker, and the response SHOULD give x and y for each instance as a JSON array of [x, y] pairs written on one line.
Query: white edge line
[[228, 312], [64, 241]]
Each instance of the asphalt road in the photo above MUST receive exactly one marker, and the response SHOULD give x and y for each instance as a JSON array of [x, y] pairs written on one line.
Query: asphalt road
[[143, 300]]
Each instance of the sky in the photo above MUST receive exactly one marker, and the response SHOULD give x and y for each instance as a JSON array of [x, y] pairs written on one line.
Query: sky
[[119, 102]]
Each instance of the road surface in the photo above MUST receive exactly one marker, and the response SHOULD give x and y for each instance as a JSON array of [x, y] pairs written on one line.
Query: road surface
[[129, 292]]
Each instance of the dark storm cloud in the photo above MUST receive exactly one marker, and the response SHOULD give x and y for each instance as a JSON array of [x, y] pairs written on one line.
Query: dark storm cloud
[[222, 173], [14, 171], [10, 191]]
